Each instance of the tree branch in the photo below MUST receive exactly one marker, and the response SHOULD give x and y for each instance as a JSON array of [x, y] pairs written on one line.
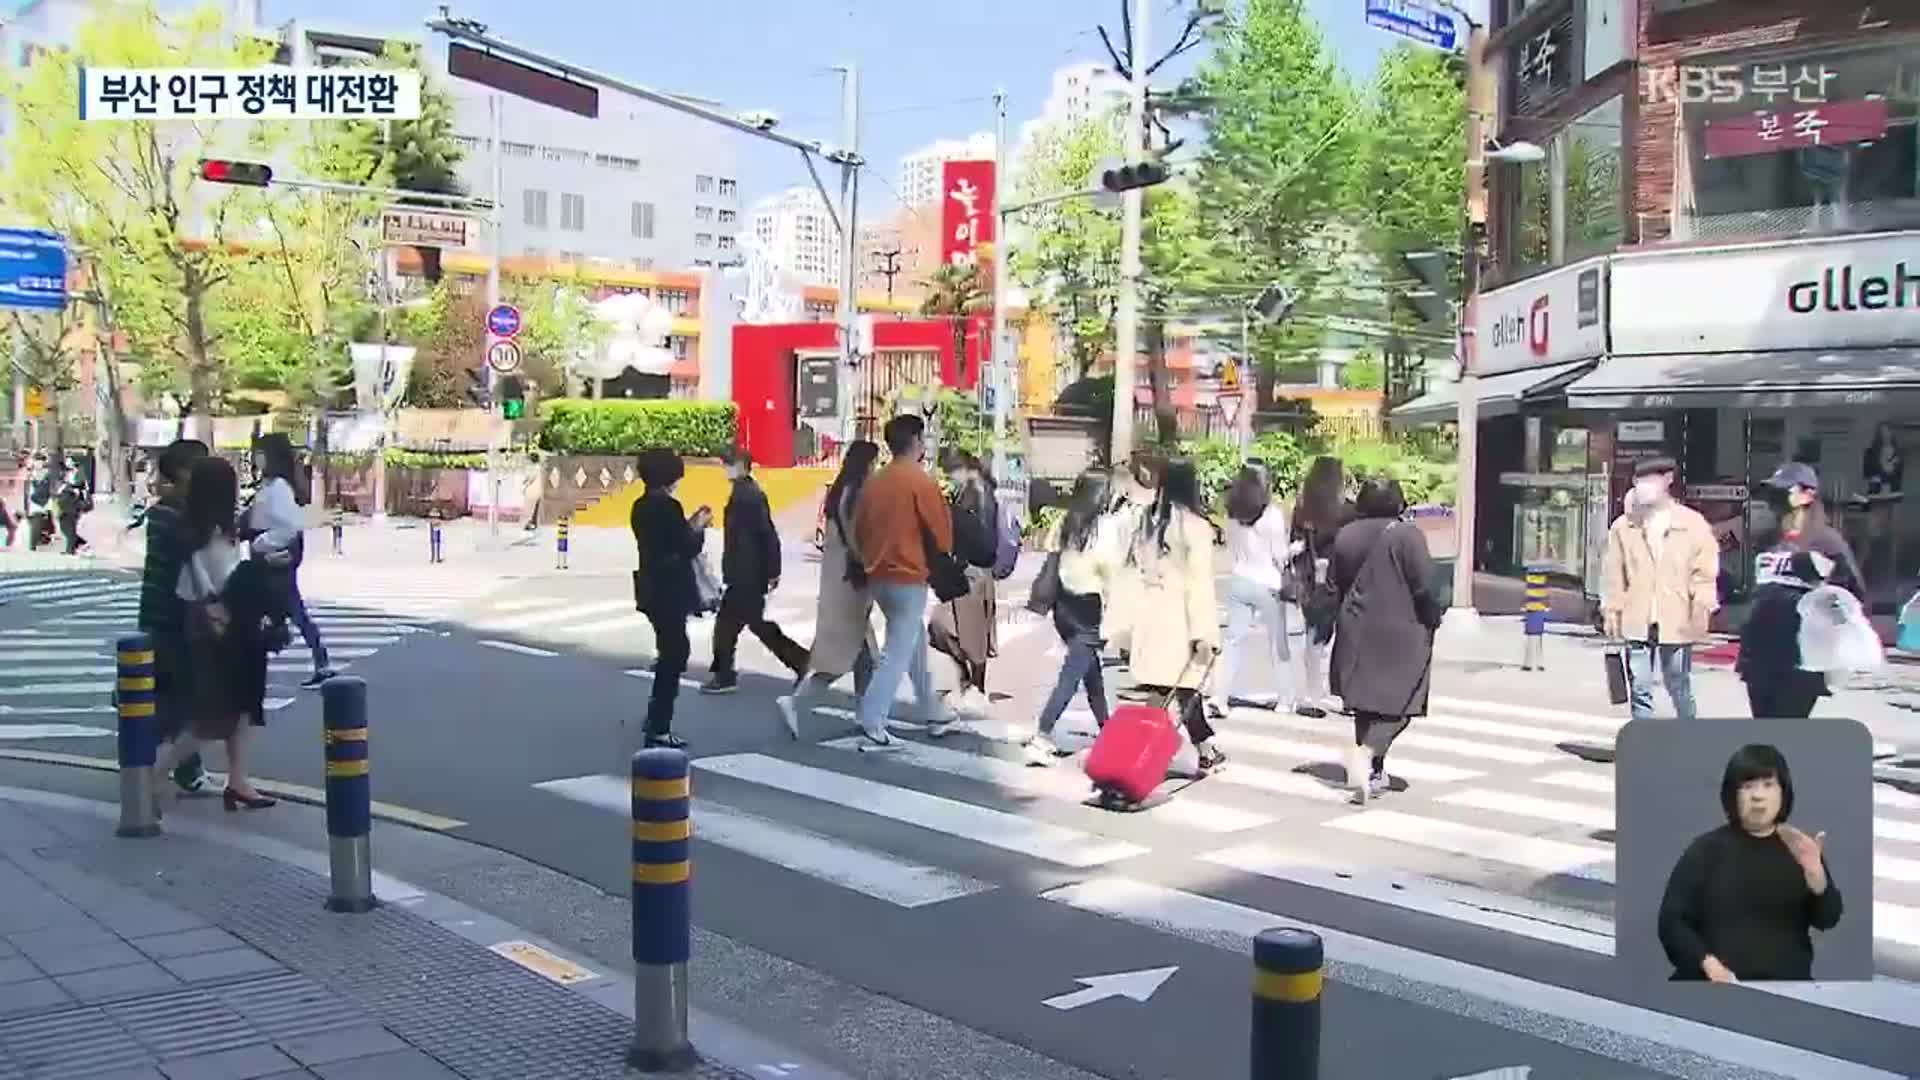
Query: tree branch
[[1186, 42]]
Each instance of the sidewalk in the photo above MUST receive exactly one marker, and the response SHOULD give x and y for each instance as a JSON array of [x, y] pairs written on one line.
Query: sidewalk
[[191, 958]]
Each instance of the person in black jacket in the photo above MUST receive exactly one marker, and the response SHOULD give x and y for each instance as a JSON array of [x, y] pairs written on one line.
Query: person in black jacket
[[1806, 553], [163, 615], [664, 591], [750, 569], [965, 629], [1741, 901]]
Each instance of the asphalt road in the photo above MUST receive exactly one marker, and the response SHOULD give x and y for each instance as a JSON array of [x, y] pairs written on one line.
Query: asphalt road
[[951, 877]]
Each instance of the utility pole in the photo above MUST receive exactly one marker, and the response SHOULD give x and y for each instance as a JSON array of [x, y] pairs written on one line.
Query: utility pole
[[1480, 102], [1000, 252], [496, 123], [889, 268], [849, 273], [1127, 330]]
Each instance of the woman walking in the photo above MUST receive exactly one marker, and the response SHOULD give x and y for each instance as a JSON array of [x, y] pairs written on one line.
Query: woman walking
[[1318, 516], [843, 638], [1258, 549], [277, 522], [965, 629], [1176, 628], [1090, 542], [1383, 645], [228, 597], [667, 543], [1133, 493], [1805, 554]]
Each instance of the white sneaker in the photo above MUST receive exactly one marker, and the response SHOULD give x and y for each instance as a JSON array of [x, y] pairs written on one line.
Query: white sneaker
[[788, 715], [1041, 751], [1359, 763], [872, 743]]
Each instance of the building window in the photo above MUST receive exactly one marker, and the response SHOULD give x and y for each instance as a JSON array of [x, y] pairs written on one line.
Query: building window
[[703, 240], [703, 185], [729, 187], [1528, 197], [703, 264], [703, 213], [615, 161], [535, 208], [726, 243], [573, 212], [516, 149], [643, 220], [1596, 223], [728, 217], [676, 301]]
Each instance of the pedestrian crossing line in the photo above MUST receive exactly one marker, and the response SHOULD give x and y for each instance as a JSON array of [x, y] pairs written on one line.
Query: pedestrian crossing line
[[516, 623], [74, 671], [515, 647], [48, 689], [1232, 927], [1415, 738], [1064, 784], [1009, 832], [1905, 832], [897, 881], [1474, 706], [71, 594], [1277, 782], [1490, 845], [633, 622], [37, 655], [36, 732], [285, 668], [642, 673], [509, 606], [33, 639], [1602, 783], [1272, 746], [302, 652], [110, 601], [53, 586], [1585, 815], [1501, 729]]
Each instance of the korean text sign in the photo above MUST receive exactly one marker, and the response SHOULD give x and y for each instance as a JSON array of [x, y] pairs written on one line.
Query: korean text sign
[[268, 93], [966, 210]]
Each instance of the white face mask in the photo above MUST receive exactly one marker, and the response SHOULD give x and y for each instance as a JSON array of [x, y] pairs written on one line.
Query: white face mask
[[1649, 493]]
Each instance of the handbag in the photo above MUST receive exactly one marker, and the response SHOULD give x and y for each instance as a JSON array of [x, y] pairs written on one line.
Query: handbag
[[944, 573], [1615, 661], [1046, 587]]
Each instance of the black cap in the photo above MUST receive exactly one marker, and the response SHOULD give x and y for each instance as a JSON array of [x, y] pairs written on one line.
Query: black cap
[[1654, 467]]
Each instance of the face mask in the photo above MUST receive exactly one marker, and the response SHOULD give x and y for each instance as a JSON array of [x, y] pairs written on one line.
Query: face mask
[[1650, 492]]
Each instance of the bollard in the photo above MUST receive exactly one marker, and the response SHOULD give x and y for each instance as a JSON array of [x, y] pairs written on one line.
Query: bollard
[[433, 540], [1286, 1005], [1535, 625], [560, 557], [343, 700], [339, 527], [139, 737], [662, 911]]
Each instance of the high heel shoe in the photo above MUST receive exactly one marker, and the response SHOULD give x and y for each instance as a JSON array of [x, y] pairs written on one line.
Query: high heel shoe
[[233, 800]]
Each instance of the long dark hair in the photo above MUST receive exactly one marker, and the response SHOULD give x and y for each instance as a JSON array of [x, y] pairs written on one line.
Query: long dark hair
[[278, 463], [1179, 489], [1380, 497], [1085, 507], [1251, 493], [1319, 504], [213, 498], [855, 464]]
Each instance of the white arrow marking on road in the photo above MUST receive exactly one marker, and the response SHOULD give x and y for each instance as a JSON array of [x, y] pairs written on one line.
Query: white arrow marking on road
[[1137, 985], [1511, 1072]]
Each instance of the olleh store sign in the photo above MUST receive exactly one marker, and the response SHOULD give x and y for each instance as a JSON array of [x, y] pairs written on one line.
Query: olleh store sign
[[1838, 289], [1555, 318]]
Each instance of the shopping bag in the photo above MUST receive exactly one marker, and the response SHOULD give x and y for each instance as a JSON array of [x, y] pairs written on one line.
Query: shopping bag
[[706, 584], [1909, 638], [1616, 665], [1836, 636]]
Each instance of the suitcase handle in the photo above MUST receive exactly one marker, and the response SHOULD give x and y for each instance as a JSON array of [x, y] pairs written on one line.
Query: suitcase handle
[[1167, 702]]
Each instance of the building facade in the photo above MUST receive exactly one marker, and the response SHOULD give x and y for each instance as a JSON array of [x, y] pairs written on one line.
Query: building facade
[[796, 228], [1080, 92], [920, 171]]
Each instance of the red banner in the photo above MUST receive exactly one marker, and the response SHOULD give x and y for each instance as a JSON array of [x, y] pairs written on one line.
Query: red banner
[[966, 210], [1839, 123]]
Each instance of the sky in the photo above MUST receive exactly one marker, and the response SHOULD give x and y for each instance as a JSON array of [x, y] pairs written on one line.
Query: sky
[[927, 70]]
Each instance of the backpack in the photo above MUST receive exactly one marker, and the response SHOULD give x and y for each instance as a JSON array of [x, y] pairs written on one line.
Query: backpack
[[1006, 547]]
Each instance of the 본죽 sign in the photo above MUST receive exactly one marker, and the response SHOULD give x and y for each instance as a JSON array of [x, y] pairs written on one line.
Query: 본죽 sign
[[1838, 123]]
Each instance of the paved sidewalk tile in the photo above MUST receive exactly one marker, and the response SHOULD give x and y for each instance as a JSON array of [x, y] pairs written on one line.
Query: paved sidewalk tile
[[246, 1063], [227, 964], [114, 983], [186, 943], [32, 996], [404, 1065], [367, 1040]]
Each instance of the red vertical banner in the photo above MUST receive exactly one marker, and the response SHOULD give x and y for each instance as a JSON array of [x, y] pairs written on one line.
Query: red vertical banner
[[966, 210]]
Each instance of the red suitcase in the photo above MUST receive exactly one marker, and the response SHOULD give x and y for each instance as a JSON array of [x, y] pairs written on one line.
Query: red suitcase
[[1130, 757]]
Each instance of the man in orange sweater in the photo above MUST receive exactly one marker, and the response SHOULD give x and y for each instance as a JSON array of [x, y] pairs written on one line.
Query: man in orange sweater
[[901, 522]]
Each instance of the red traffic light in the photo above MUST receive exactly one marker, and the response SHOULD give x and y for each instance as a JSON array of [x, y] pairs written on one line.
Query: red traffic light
[[249, 173]]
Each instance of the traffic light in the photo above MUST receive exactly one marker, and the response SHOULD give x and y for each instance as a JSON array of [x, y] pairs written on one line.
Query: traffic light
[[477, 390], [513, 398], [1430, 298], [250, 173], [1275, 303], [1128, 177]]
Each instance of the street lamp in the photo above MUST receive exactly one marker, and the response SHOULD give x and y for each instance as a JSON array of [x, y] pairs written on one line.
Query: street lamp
[[1516, 153]]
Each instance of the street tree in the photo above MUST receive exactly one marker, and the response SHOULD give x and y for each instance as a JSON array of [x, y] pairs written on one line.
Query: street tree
[[957, 292], [423, 154], [561, 327], [1070, 258], [47, 346]]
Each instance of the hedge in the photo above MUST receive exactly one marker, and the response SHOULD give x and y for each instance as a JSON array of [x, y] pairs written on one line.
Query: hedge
[[694, 428]]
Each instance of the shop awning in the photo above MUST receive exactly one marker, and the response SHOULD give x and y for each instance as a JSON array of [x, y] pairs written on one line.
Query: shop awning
[[1764, 380], [1500, 395]]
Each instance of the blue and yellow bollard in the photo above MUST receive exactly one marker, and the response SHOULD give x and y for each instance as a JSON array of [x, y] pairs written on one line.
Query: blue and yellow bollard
[[343, 701], [560, 541], [1287, 966], [339, 530], [139, 736], [662, 911], [433, 540], [1535, 625]]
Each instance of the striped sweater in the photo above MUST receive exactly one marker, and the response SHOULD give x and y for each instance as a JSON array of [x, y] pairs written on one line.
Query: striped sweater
[[162, 612]]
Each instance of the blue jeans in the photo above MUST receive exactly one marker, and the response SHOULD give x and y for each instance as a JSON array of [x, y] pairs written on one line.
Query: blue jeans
[[1248, 604], [1076, 619], [1676, 670], [902, 653]]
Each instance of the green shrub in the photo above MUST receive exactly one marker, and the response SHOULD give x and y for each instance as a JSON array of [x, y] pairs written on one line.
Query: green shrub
[[1424, 477], [1287, 457], [1217, 463], [693, 428]]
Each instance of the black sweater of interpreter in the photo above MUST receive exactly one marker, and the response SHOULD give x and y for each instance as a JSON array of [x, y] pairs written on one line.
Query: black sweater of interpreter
[[1743, 899]]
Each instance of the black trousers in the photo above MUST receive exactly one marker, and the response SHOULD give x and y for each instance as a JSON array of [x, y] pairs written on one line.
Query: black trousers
[[1376, 732], [1187, 706], [746, 608], [671, 650], [1790, 698]]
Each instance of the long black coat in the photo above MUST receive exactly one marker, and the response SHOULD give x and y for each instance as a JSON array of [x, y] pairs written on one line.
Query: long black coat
[[750, 558], [667, 546], [1383, 646]]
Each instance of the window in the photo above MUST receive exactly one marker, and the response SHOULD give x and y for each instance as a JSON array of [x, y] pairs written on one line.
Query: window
[[561, 153], [573, 212], [703, 185], [516, 149], [643, 220], [703, 213], [728, 217], [703, 240], [676, 301], [614, 161], [535, 211], [726, 243], [703, 264], [1595, 221], [729, 187], [1529, 204]]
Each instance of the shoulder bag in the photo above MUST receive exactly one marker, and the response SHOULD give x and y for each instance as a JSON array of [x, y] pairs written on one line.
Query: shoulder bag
[[944, 573]]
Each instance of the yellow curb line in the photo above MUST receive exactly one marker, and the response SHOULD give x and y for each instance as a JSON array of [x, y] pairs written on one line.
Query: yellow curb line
[[418, 819]]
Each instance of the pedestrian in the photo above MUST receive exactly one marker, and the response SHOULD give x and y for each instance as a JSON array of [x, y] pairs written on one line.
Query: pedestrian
[[276, 517], [1132, 502], [1258, 544], [904, 532], [1090, 543], [1804, 553], [1659, 588], [1319, 514], [1383, 643], [228, 597], [964, 629], [667, 542], [163, 615], [40, 498], [843, 617], [1176, 626], [750, 571], [8, 524], [71, 500]]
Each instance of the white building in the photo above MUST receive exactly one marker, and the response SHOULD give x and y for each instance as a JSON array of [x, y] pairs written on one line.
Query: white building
[[920, 170], [1081, 92], [796, 231]]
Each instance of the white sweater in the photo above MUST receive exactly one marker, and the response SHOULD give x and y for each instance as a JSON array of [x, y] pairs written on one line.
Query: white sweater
[[275, 514], [1259, 551]]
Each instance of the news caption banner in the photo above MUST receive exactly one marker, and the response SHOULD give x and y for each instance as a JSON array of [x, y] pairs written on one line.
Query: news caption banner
[[267, 93]]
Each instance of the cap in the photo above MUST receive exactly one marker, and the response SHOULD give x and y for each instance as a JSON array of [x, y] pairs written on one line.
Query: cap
[[1654, 467], [1795, 474]]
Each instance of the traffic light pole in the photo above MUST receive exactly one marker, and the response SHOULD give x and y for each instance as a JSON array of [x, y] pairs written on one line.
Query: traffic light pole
[[1002, 249], [496, 220], [1461, 614], [1127, 330]]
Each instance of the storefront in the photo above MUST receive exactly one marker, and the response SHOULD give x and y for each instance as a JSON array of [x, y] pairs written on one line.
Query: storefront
[[1733, 360]]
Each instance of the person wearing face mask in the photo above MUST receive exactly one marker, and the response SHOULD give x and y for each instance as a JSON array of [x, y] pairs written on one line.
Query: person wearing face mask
[[1659, 588], [664, 591], [750, 567], [1805, 553], [1741, 901]]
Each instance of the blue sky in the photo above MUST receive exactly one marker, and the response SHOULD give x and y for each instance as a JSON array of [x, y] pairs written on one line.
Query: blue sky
[[927, 70]]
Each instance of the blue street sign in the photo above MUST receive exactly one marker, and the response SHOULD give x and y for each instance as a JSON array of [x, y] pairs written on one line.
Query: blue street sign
[[1414, 19], [33, 269], [503, 321]]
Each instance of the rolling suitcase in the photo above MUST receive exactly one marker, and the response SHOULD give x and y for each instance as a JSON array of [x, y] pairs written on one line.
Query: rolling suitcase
[[1131, 756]]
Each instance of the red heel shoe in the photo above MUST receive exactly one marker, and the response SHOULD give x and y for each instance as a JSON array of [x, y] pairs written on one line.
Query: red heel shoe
[[233, 800]]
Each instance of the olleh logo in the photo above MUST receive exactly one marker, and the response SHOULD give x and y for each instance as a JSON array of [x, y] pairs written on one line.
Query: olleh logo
[[1838, 290], [1535, 329]]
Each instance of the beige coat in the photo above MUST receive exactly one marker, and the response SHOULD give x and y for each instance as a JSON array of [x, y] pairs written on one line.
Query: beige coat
[[1680, 594], [1175, 605]]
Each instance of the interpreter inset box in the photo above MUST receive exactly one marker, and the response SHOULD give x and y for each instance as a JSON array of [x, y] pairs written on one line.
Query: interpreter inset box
[[1743, 850]]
